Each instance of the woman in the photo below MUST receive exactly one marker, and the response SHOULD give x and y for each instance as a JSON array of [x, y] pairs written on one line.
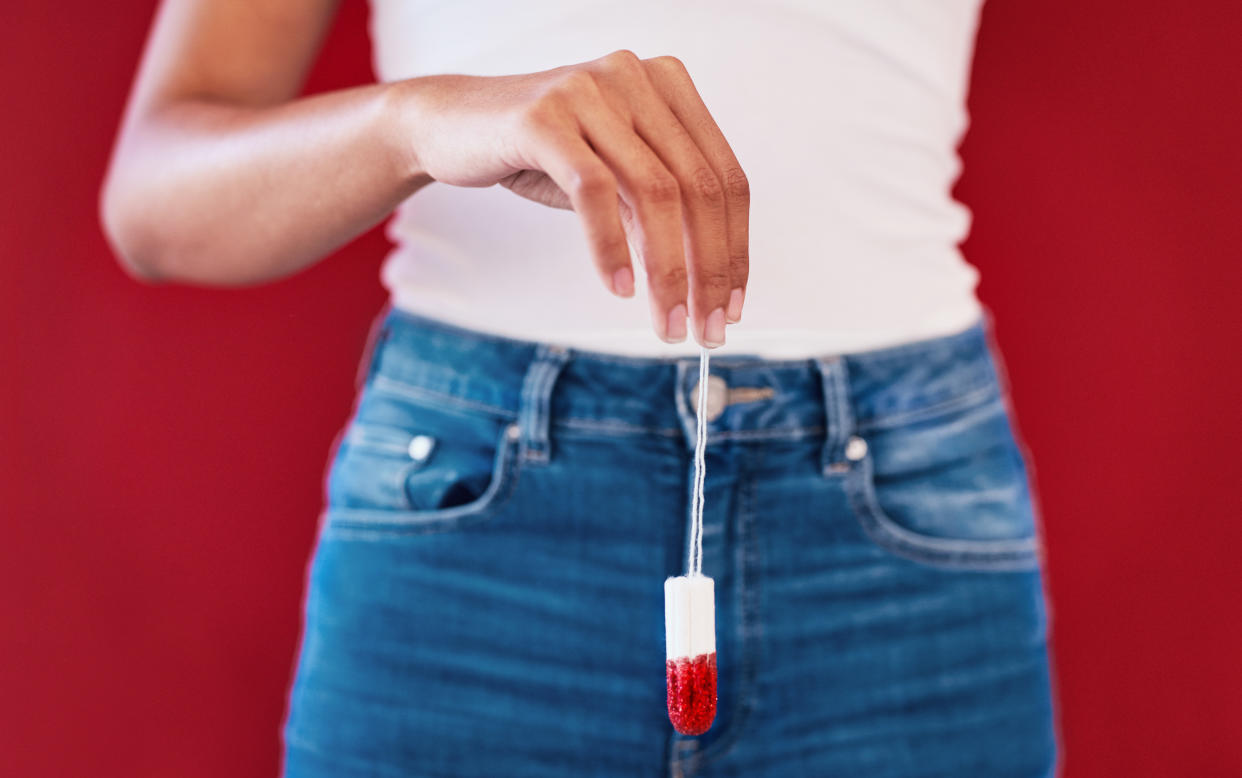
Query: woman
[[513, 485]]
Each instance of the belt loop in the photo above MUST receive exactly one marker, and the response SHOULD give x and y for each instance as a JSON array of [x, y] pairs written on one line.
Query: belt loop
[[838, 416], [376, 336], [534, 411]]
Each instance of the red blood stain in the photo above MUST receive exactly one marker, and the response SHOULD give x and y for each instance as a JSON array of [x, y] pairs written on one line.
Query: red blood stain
[[692, 693]]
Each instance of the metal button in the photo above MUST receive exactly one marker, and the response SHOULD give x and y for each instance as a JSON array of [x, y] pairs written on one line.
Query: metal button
[[420, 447], [855, 449], [717, 396]]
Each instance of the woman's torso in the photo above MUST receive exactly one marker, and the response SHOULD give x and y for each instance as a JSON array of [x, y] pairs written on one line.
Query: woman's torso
[[845, 116]]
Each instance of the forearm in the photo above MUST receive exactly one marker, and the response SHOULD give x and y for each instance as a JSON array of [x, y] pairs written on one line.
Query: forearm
[[221, 193]]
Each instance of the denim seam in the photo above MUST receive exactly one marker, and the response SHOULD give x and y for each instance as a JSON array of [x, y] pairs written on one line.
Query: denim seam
[[419, 394], [685, 414], [434, 399], [616, 426], [982, 554], [372, 447], [773, 433], [377, 334], [838, 414], [965, 399], [535, 403]]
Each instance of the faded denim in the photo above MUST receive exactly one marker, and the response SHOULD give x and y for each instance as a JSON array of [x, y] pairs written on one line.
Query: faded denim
[[485, 597]]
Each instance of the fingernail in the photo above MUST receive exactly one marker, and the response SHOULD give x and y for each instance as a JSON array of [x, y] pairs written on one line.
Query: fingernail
[[734, 313], [623, 282], [676, 324], [713, 331]]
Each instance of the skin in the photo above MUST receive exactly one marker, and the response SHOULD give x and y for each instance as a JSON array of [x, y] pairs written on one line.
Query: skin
[[221, 175]]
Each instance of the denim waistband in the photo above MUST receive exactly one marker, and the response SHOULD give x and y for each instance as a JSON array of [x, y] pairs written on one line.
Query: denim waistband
[[750, 398]]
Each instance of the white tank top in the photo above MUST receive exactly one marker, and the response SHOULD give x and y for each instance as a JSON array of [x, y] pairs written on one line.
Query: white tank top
[[844, 114]]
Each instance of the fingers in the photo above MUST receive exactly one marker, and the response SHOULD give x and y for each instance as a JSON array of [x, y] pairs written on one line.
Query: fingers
[[653, 199], [642, 161], [672, 82], [561, 152], [704, 218]]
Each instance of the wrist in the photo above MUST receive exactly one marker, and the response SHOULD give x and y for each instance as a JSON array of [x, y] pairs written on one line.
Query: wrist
[[403, 121]]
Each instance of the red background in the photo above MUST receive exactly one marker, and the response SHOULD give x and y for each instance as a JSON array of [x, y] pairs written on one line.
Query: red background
[[161, 475]]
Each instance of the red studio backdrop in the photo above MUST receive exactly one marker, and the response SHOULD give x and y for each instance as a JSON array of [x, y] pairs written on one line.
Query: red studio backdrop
[[163, 447]]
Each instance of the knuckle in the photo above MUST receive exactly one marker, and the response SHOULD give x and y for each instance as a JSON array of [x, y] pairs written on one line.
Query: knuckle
[[594, 184], [737, 184], [613, 245], [714, 280], [540, 116], [739, 267], [706, 187], [575, 83], [662, 189], [670, 63], [670, 278], [623, 60], [547, 113]]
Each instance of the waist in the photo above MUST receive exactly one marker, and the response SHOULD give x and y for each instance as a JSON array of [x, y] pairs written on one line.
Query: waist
[[820, 281], [749, 397]]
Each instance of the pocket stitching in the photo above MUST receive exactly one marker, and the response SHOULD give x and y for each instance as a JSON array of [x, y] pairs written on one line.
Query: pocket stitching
[[958, 553], [959, 402], [506, 471], [368, 439], [380, 438]]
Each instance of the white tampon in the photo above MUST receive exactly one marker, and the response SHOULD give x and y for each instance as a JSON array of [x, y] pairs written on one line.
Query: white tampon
[[690, 652]]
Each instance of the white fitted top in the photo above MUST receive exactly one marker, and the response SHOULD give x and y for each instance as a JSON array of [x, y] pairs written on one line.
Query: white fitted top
[[844, 114]]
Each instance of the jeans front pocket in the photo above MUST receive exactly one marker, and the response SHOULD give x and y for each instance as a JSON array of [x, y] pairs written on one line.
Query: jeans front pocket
[[949, 491], [407, 468]]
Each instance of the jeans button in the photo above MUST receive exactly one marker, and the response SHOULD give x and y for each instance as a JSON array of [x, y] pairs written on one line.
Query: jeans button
[[717, 397], [855, 449]]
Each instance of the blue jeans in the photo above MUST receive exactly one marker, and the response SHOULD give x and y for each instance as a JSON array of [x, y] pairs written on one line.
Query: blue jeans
[[485, 598]]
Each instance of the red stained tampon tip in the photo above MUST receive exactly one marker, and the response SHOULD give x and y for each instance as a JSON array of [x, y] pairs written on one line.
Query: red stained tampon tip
[[690, 656], [692, 693]]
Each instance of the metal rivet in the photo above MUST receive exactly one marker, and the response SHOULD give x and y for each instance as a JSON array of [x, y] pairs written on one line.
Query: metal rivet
[[855, 449], [513, 432], [420, 447]]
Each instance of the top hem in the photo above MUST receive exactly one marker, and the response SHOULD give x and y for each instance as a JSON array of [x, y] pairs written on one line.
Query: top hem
[[766, 343]]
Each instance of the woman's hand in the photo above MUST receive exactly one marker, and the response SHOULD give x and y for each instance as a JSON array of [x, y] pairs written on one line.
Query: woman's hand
[[217, 176], [628, 144]]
